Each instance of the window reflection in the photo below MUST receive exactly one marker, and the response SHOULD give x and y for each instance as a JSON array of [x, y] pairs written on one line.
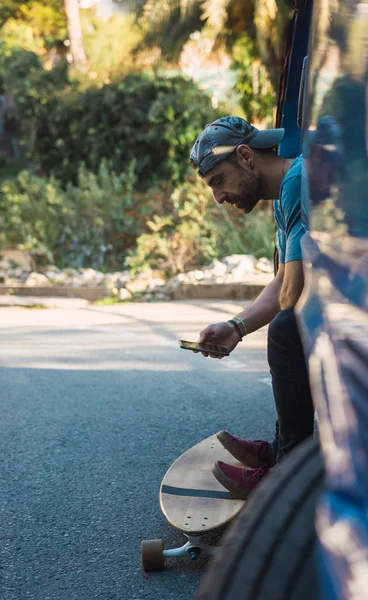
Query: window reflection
[[335, 145]]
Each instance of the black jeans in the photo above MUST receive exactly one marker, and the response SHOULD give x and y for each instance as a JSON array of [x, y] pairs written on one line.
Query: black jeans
[[290, 383]]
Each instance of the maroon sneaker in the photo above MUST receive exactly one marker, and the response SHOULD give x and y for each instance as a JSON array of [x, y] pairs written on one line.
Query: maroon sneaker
[[238, 480], [253, 454]]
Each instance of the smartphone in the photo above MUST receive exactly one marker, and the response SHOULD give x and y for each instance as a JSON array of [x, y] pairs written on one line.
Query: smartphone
[[211, 349]]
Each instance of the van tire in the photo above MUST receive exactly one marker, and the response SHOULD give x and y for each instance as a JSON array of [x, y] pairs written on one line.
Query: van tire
[[269, 551]]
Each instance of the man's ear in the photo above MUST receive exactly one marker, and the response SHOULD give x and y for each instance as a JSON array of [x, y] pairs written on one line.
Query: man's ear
[[245, 156]]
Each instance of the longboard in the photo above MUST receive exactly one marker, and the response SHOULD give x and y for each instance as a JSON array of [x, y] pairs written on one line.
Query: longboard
[[193, 501]]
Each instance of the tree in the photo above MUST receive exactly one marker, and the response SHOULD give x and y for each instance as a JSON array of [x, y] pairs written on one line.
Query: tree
[[169, 24], [75, 35], [49, 20], [45, 18], [9, 9]]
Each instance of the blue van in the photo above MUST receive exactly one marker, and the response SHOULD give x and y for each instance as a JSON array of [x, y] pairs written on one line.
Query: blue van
[[303, 535]]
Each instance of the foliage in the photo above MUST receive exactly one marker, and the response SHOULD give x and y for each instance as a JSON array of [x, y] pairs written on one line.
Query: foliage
[[45, 17], [154, 120], [265, 23], [11, 167], [102, 223], [109, 44], [19, 34], [105, 215], [193, 230], [169, 25], [93, 224], [29, 212], [106, 161], [24, 79], [253, 84]]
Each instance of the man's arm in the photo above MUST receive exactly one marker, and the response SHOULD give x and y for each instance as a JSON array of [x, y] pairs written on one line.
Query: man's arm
[[283, 292], [292, 285], [267, 305]]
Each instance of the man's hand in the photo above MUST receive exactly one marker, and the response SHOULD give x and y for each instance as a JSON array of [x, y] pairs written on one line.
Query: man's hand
[[221, 334]]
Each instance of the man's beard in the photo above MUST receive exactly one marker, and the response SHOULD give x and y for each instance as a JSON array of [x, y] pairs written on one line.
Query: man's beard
[[249, 192]]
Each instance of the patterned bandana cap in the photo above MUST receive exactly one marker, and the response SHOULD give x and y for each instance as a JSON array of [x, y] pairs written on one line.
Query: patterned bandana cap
[[328, 136], [222, 137]]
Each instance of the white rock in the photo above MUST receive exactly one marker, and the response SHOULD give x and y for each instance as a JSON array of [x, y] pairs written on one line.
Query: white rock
[[51, 275], [36, 279], [145, 298], [217, 268], [264, 265], [71, 272], [91, 277], [51, 269], [60, 278], [244, 268], [124, 294], [137, 285], [235, 260], [117, 277], [191, 277], [75, 282], [239, 274], [207, 275], [156, 282], [109, 283], [17, 273], [160, 296], [198, 274], [172, 284], [188, 277]]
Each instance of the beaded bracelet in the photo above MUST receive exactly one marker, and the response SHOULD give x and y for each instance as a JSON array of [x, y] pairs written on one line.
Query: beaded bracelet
[[242, 325], [236, 325]]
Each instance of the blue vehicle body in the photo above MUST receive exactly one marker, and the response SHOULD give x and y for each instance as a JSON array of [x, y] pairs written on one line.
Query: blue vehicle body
[[333, 311]]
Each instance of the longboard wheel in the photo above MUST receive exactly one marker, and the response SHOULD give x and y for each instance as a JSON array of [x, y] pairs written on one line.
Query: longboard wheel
[[152, 555]]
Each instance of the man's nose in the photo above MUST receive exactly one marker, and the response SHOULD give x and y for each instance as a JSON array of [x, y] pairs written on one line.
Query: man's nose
[[220, 197]]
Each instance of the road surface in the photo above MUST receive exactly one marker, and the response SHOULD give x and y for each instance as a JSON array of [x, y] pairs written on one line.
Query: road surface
[[97, 401]]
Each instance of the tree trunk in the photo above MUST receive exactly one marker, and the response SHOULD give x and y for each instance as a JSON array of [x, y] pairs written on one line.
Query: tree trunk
[[75, 35]]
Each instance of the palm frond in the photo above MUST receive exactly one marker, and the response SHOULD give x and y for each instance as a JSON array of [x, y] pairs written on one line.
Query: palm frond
[[156, 11], [215, 12]]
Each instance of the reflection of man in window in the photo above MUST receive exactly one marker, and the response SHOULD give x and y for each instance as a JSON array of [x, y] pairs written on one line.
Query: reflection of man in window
[[346, 101], [323, 153]]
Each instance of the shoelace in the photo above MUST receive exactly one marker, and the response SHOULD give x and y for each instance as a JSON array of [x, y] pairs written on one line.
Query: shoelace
[[258, 473], [262, 450]]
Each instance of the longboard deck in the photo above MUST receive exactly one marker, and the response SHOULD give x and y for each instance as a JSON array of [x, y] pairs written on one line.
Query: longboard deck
[[191, 498]]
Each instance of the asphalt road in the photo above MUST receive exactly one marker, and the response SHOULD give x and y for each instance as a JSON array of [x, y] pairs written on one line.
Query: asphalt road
[[97, 402]]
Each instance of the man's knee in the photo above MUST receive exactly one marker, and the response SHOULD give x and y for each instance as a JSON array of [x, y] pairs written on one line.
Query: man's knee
[[282, 326]]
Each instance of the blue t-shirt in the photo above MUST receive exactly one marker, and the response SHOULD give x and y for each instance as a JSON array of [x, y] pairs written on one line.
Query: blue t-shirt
[[287, 212]]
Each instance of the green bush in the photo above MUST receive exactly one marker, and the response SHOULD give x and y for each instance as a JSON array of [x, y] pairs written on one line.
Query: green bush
[[24, 79], [30, 210], [105, 223], [92, 224], [193, 230], [103, 217], [256, 92], [151, 120]]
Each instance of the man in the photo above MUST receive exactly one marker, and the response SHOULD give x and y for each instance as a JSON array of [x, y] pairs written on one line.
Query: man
[[239, 164]]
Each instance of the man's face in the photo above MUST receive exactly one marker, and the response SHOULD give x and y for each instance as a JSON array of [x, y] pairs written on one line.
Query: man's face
[[321, 174], [235, 184]]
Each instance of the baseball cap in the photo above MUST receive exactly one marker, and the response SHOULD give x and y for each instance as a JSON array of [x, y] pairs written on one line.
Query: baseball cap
[[327, 135], [220, 138]]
